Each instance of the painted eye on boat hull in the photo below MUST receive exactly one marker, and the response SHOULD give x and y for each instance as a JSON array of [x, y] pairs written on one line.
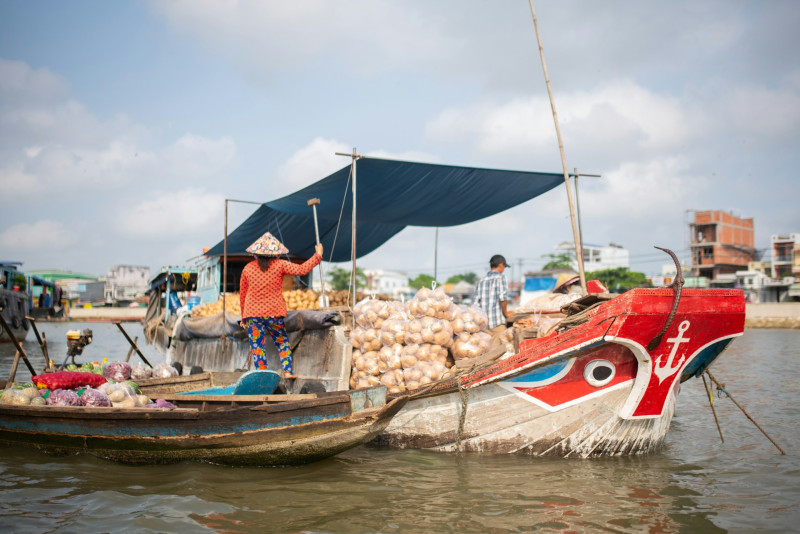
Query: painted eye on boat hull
[[598, 373]]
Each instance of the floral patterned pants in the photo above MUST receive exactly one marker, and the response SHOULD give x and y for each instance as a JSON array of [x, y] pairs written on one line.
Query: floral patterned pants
[[257, 330]]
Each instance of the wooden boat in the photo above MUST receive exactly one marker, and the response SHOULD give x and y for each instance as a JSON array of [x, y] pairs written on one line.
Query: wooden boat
[[605, 385], [225, 429], [153, 387], [13, 301]]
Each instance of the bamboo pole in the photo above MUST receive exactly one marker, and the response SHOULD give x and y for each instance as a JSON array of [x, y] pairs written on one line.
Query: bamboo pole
[[578, 246]]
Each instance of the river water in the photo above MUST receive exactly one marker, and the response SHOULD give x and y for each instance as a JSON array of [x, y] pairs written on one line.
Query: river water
[[694, 484]]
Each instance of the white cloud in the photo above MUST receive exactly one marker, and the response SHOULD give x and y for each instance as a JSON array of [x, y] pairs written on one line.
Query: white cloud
[[308, 165], [173, 215], [615, 113], [44, 234], [268, 36], [20, 83]]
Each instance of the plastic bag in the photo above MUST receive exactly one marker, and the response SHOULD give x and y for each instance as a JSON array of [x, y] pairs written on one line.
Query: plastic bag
[[431, 303], [371, 313], [19, 397], [164, 370], [121, 395], [393, 331], [468, 345], [394, 381], [429, 330], [472, 320], [141, 372], [94, 397], [160, 403], [117, 371], [63, 397]]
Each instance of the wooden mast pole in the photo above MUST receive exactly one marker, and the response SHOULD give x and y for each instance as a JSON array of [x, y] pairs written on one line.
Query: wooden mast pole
[[578, 246]]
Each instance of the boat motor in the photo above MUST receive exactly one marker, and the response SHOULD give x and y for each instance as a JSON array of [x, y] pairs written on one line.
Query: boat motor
[[76, 341]]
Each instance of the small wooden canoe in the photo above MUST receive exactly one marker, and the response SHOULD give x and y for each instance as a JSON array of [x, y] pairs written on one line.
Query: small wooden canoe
[[154, 387], [256, 430]]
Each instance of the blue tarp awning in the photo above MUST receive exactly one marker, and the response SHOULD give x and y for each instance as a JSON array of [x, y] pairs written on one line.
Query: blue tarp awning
[[390, 195]]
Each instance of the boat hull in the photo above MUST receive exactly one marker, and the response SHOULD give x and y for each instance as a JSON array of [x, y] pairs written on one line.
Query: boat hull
[[500, 422], [217, 431], [14, 306], [592, 390]]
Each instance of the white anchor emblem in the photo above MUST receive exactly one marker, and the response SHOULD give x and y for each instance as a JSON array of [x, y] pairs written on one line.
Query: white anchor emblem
[[663, 370]]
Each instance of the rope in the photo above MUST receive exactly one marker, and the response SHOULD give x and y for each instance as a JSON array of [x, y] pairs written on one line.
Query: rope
[[464, 391], [721, 388], [710, 394]]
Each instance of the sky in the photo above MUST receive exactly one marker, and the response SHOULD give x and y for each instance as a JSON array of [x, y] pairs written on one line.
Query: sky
[[125, 125]]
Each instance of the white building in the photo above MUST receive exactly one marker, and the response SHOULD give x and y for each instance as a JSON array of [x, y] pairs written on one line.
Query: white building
[[126, 282], [391, 283], [596, 257]]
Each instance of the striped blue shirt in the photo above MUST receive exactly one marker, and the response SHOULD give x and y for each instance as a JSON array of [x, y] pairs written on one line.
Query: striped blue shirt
[[489, 293]]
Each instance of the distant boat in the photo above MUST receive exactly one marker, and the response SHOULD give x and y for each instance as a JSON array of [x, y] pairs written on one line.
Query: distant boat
[[14, 300]]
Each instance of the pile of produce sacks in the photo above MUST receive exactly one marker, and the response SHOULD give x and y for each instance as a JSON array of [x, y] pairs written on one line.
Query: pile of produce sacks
[[92, 384], [406, 346]]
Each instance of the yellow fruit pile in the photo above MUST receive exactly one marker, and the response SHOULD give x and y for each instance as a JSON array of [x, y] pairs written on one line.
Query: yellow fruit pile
[[296, 299], [214, 308]]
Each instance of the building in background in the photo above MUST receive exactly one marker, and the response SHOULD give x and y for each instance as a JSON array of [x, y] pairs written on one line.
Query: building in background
[[721, 243], [785, 261], [126, 283], [391, 283], [597, 257], [78, 288]]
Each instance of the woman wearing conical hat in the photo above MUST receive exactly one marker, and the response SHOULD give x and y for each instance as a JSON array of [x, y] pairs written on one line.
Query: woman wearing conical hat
[[261, 298]]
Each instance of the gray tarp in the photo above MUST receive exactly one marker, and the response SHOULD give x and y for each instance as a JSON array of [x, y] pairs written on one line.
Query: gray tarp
[[211, 327]]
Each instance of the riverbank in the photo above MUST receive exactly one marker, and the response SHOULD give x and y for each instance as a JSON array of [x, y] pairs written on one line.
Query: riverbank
[[772, 315], [107, 314]]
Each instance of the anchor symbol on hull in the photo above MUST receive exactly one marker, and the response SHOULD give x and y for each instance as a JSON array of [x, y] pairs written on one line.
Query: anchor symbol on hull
[[664, 369]]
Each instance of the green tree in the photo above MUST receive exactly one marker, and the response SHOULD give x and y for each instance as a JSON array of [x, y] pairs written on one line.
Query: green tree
[[422, 280], [562, 260], [470, 278], [339, 279], [620, 279]]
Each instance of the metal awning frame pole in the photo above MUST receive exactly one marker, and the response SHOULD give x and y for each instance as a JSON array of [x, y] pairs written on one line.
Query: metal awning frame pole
[[166, 300], [353, 246], [224, 284], [578, 247], [355, 156], [224, 267]]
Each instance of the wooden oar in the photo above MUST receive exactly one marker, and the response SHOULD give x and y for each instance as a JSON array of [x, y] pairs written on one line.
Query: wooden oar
[[42, 342], [133, 344], [314, 202], [20, 350]]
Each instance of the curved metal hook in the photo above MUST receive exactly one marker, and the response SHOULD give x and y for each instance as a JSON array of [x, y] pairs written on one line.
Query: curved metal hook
[[676, 286]]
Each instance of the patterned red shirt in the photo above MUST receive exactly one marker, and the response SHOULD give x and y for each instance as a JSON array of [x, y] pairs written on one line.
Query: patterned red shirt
[[261, 290]]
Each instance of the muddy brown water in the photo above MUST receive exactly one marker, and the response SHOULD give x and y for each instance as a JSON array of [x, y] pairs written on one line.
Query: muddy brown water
[[694, 484]]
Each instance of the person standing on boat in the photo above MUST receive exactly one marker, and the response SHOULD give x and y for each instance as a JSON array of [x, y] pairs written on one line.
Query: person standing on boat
[[491, 294], [261, 298]]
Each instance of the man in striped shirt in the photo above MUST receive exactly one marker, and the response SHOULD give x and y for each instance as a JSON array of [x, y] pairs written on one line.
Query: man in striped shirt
[[491, 294]]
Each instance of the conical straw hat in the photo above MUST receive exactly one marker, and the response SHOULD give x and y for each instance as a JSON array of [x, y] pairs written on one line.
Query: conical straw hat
[[267, 245]]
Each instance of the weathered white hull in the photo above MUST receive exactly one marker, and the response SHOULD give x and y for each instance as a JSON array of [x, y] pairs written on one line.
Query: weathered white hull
[[500, 422]]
